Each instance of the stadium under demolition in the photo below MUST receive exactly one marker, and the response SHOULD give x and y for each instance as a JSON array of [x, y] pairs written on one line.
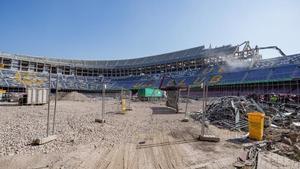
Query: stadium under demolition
[[222, 107]]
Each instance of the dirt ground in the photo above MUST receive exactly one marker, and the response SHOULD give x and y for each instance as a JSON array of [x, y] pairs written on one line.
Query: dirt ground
[[151, 136]]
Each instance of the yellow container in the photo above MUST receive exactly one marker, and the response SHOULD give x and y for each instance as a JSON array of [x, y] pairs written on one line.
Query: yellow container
[[256, 125], [123, 103]]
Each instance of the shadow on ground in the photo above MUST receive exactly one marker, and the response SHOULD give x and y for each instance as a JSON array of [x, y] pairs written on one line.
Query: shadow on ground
[[163, 110]]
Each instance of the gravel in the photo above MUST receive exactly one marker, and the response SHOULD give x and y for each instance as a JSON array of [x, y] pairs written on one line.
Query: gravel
[[75, 125]]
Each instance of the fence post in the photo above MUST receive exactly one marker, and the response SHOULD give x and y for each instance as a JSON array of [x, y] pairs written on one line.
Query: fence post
[[55, 103], [48, 115]]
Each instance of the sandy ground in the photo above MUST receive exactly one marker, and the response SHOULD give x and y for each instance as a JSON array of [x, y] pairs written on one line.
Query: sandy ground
[[82, 143]]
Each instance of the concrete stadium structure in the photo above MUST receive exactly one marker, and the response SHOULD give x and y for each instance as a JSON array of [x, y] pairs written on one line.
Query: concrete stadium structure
[[237, 69]]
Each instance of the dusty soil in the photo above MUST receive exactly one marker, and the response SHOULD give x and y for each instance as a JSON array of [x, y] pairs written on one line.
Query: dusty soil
[[150, 136]]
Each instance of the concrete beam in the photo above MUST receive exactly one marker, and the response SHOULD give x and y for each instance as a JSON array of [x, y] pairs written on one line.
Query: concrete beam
[[100, 120], [41, 141], [209, 138]]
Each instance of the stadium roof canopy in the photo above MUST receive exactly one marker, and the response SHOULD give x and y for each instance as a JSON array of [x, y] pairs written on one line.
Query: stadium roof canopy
[[171, 57]]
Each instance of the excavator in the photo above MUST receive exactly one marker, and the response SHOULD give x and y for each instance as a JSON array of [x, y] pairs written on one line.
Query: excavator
[[271, 47], [247, 49]]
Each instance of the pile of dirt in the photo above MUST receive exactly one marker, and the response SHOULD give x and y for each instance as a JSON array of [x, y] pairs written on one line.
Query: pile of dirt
[[75, 96]]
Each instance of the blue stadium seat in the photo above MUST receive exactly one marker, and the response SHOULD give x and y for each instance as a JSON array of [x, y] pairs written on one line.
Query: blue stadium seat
[[283, 72], [257, 75]]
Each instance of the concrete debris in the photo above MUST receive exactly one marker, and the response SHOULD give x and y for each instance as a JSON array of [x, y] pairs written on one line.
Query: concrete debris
[[249, 157], [279, 114], [283, 129], [285, 142], [40, 141], [295, 125]]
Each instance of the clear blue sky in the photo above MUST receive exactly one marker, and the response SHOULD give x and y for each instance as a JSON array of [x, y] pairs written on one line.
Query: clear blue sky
[[118, 29]]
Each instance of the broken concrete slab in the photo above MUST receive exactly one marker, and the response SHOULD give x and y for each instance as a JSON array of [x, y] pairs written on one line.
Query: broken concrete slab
[[185, 120], [209, 138], [100, 120], [41, 141]]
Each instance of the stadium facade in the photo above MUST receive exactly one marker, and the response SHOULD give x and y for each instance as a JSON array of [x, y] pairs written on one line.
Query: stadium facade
[[170, 62], [235, 69]]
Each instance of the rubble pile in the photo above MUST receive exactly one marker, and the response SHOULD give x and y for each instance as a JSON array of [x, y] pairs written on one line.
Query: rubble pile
[[229, 112], [280, 115], [282, 123], [284, 129], [285, 142]]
